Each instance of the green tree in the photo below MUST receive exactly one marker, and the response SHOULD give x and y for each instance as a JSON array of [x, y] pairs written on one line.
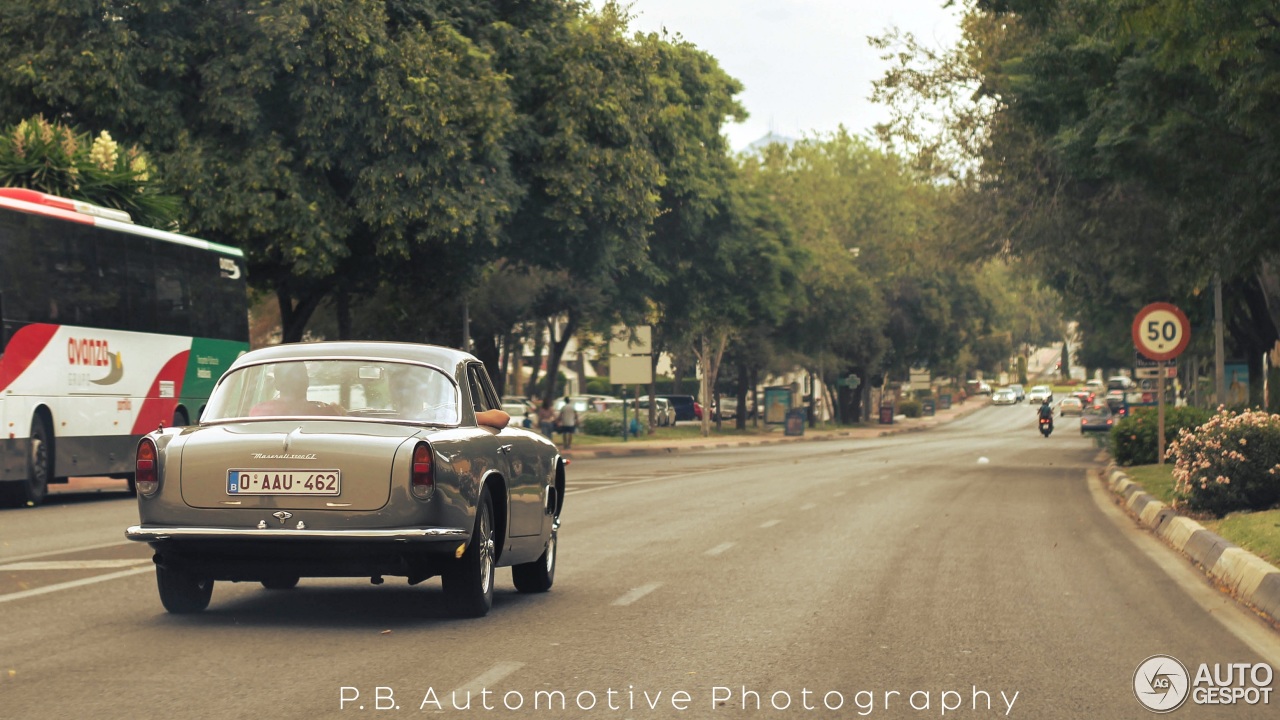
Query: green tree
[[303, 132]]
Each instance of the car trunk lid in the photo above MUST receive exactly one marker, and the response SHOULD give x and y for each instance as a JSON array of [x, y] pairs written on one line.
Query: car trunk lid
[[290, 464]]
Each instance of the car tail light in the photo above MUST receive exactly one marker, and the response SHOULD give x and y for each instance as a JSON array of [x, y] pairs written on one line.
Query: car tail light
[[146, 477], [422, 477]]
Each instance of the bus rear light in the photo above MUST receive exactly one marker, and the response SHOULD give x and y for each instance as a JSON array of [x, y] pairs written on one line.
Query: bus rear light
[[146, 478], [422, 478]]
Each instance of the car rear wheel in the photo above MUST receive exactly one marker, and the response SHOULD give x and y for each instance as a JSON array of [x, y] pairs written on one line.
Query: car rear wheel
[[281, 583], [468, 586], [182, 593], [537, 576]]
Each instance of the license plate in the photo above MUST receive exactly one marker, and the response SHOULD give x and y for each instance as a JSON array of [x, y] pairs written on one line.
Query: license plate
[[284, 482]]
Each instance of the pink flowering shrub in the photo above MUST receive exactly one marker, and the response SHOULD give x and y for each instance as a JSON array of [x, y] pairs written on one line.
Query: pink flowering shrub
[[1232, 462]]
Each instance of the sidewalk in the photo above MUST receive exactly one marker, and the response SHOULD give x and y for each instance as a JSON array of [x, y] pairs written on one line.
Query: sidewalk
[[632, 448]]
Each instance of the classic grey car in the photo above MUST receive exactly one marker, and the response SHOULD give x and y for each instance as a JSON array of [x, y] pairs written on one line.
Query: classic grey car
[[352, 459]]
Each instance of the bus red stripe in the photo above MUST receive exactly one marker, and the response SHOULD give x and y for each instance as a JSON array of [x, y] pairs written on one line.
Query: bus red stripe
[[23, 349], [48, 210], [155, 409]]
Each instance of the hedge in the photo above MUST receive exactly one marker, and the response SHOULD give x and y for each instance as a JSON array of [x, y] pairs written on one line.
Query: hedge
[[1133, 438], [600, 423], [910, 408]]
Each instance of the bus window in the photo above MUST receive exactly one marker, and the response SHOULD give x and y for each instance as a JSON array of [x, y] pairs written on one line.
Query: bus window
[[122, 328]]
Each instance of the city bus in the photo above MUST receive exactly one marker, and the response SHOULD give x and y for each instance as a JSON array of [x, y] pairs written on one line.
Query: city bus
[[108, 330]]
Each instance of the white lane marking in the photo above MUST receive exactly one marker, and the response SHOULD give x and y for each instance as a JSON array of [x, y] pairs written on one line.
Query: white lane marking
[[719, 548], [67, 551], [770, 523], [487, 678], [629, 483], [576, 483], [637, 593], [72, 584], [808, 506], [76, 564]]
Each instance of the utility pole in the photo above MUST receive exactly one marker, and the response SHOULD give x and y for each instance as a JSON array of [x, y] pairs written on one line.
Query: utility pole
[[1219, 348]]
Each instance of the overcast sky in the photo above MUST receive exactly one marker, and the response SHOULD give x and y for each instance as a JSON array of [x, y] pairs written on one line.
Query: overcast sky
[[806, 64]]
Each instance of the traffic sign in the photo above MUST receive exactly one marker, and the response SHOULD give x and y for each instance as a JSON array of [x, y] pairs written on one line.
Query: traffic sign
[[1161, 331], [1142, 361]]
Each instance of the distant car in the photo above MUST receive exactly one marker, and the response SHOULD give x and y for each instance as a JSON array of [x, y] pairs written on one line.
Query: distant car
[[664, 414], [1085, 396], [1039, 394], [518, 400], [1119, 382], [687, 408], [518, 412], [1070, 405], [1115, 403], [349, 459], [1096, 418], [588, 403], [1004, 396], [1019, 391], [977, 387], [727, 409], [1094, 386]]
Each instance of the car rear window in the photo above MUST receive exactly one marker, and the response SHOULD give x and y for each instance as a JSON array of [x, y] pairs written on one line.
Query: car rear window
[[379, 390]]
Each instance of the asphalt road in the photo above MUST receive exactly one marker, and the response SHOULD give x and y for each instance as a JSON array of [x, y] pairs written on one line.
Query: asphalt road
[[975, 568]]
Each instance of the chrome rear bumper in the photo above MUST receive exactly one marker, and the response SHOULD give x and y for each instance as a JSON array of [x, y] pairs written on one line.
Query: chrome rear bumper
[[152, 533]]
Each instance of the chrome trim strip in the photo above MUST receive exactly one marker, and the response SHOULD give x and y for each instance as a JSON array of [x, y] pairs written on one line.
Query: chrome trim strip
[[147, 533]]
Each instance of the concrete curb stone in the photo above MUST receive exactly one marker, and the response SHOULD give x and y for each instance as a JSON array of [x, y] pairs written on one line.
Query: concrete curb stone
[[1252, 579]]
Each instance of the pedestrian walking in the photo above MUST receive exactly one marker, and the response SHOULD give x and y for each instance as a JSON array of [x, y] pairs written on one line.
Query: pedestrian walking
[[568, 423], [547, 421]]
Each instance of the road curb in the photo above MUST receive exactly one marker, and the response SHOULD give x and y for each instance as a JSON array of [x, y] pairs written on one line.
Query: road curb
[[1250, 578]]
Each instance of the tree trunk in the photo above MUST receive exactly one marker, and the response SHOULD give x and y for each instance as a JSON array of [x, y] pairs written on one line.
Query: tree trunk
[[1269, 282], [740, 421], [342, 309], [558, 345], [294, 318], [485, 348], [537, 363]]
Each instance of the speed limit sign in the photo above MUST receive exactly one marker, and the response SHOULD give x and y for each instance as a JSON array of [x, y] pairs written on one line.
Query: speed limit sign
[[1161, 331]]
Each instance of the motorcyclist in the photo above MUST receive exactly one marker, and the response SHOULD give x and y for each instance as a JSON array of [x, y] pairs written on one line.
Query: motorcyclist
[[1046, 411]]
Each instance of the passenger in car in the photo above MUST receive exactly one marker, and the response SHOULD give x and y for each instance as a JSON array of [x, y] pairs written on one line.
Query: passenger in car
[[420, 394], [292, 382]]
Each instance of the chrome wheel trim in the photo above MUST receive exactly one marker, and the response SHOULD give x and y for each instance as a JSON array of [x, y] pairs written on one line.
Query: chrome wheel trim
[[551, 552], [486, 549]]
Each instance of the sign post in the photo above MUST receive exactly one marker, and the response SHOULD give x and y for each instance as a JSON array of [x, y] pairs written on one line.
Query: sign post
[[1161, 332], [630, 362]]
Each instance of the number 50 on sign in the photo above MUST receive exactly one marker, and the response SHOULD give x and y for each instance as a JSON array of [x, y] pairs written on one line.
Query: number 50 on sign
[[1161, 331]]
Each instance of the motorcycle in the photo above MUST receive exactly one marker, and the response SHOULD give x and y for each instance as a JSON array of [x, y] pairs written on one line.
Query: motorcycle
[[1046, 426]]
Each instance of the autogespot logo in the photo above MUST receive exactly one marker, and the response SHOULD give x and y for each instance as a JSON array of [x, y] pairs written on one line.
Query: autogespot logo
[[1161, 683]]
